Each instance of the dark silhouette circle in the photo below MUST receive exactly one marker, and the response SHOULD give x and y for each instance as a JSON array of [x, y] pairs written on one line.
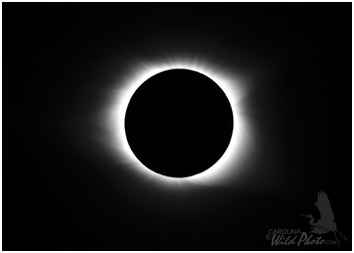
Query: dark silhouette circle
[[179, 123]]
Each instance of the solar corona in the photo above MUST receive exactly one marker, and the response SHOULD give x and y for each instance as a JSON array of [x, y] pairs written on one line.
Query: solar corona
[[118, 120]]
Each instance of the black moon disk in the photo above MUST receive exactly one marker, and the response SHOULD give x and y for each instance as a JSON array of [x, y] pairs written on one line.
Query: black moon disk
[[179, 123]]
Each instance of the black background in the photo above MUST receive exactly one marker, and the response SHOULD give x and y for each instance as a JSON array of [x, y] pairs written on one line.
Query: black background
[[62, 190]]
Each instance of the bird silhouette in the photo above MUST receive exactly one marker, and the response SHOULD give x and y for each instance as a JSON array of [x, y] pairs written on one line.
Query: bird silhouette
[[326, 223]]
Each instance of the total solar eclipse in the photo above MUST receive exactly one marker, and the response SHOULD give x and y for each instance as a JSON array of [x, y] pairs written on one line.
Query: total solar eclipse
[[179, 123]]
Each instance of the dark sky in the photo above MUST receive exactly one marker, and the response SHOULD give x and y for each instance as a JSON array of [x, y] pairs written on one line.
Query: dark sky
[[64, 190]]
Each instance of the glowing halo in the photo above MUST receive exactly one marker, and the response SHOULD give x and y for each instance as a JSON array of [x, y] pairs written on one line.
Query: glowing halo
[[121, 100]]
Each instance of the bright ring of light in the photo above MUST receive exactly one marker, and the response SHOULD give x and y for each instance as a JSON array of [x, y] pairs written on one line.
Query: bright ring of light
[[116, 120]]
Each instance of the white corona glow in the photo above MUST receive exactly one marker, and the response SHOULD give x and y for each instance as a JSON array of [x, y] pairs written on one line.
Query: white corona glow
[[122, 96]]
